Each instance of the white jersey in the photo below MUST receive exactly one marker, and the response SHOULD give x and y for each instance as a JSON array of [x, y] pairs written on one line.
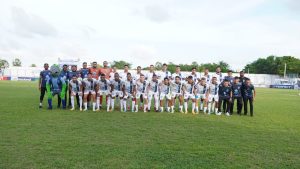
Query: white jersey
[[201, 89], [181, 75], [129, 86], [141, 86], [75, 86], [219, 77], [165, 89], [207, 78], [213, 89], [123, 75], [153, 86], [112, 75], [89, 84], [176, 87], [189, 88], [116, 84], [195, 76], [149, 76], [104, 85], [162, 75], [136, 76]]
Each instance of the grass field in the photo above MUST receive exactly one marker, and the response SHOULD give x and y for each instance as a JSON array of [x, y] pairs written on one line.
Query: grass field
[[34, 138]]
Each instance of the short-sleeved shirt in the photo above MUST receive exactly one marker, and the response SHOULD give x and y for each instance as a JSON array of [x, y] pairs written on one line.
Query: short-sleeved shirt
[[141, 86], [149, 76], [201, 89], [44, 75], [95, 72], [219, 77], [64, 75], [72, 73], [75, 86], [165, 74], [165, 89], [129, 85], [229, 78], [106, 71], [181, 75], [117, 84], [189, 88], [84, 72], [248, 90], [207, 78], [153, 86], [89, 84], [213, 89], [236, 90], [176, 87], [104, 85], [195, 76], [224, 92]]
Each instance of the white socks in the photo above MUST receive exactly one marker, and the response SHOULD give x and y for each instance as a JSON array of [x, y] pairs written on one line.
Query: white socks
[[132, 106], [72, 102], [185, 106]]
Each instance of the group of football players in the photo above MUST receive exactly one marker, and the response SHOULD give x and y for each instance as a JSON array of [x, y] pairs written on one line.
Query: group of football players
[[210, 93]]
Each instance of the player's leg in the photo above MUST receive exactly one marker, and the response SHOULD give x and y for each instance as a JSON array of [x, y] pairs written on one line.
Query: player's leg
[[42, 95], [150, 95], [227, 103], [120, 96], [245, 105], [161, 101], [205, 105], [85, 100], [145, 102], [186, 99], [232, 104], [239, 105], [217, 104], [138, 97], [171, 104], [251, 106], [156, 101], [73, 94], [133, 100], [98, 95], [108, 102], [180, 98], [80, 100], [209, 105], [193, 104], [93, 99]]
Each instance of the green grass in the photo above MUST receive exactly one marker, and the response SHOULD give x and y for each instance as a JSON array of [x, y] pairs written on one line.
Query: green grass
[[34, 138]]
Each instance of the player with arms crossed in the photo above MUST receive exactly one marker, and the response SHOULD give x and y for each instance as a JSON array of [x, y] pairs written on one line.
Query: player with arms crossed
[[177, 91], [165, 93], [141, 86], [201, 95], [90, 88], [189, 93], [104, 86], [153, 91], [129, 92], [212, 95], [75, 87], [116, 91]]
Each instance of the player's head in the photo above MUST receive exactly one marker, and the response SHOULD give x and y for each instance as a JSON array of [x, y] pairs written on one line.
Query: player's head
[[177, 69], [105, 64], [242, 73], [74, 78], [166, 80], [126, 67], [229, 72], [177, 79], [117, 76], [203, 81], [74, 67], [214, 80], [142, 77], [65, 67], [46, 66], [102, 76], [218, 69], [84, 65], [139, 69], [89, 76], [226, 83], [154, 77], [190, 79], [114, 68], [193, 70], [94, 64], [151, 68], [236, 79], [129, 76], [206, 70], [248, 81], [164, 67]]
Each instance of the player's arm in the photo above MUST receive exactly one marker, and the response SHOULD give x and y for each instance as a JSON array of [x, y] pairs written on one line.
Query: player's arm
[[254, 93], [40, 81]]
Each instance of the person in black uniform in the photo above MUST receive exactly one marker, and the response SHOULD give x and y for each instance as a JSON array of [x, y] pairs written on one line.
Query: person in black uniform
[[249, 96], [42, 82], [225, 95], [236, 95]]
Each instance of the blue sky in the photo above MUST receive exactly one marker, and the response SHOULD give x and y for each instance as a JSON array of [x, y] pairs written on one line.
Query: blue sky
[[145, 31]]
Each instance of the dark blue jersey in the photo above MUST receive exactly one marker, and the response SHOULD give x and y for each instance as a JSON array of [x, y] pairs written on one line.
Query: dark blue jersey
[[248, 90], [72, 73], [44, 75], [236, 90], [229, 78], [64, 74], [84, 72], [224, 92]]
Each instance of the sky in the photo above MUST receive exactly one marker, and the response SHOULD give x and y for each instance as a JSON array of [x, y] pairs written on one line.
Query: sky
[[143, 32]]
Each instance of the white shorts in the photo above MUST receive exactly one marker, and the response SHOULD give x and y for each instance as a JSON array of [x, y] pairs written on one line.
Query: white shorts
[[138, 95], [189, 96], [128, 95], [162, 96], [176, 95], [200, 96], [213, 97], [74, 93], [151, 94], [115, 93], [89, 92], [103, 92]]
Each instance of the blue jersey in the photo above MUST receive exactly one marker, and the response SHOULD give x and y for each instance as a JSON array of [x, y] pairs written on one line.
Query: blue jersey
[[248, 90], [236, 90], [72, 73], [229, 78], [64, 75], [44, 76], [84, 72]]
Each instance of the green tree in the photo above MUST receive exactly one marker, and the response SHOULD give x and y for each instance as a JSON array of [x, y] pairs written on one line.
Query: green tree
[[33, 65], [120, 64], [17, 62], [4, 63]]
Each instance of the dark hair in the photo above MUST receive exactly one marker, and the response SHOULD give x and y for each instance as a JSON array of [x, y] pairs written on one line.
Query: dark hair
[[84, 63], [177, 66], [229, 71], [46, 64], [151, 65], [142, 74], [226, 80], [128, 74], [126, 65], [139, 67], [203, 78], [154, 75], [166, 78], [190, 77], [194, 68], [236, 77], [165, 64], [247, 79], [94, 62], [102, 74], [177, 77]]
